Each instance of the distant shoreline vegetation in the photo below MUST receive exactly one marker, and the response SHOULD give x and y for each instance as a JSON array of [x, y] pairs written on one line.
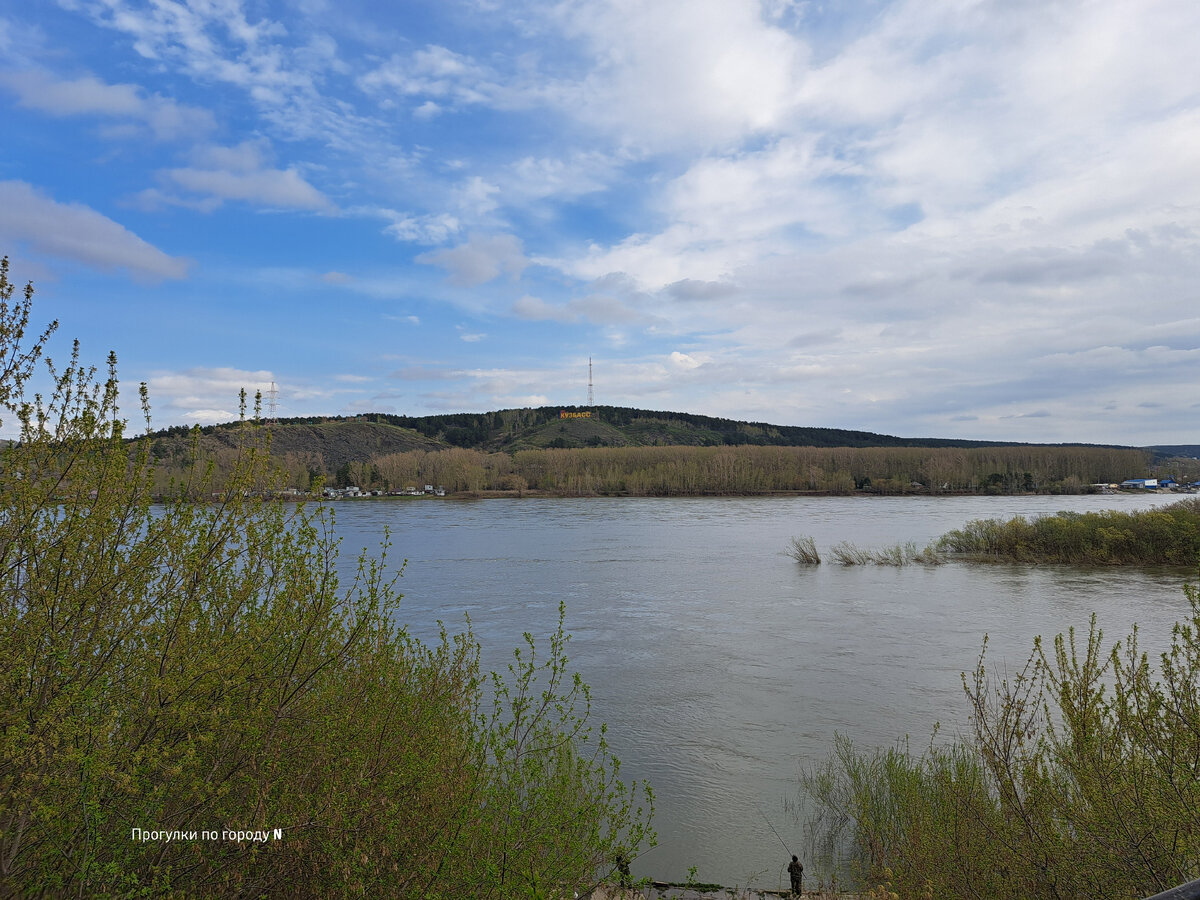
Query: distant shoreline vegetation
[[663, 471]]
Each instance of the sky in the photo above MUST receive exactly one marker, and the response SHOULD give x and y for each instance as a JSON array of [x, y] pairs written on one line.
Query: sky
[[937, 218]]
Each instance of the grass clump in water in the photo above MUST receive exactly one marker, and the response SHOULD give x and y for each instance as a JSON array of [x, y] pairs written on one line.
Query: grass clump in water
[[848, 554], [804, 551]]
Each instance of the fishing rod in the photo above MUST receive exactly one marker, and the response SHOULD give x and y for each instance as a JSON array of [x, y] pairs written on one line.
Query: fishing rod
[[773, 831], [777, 836]]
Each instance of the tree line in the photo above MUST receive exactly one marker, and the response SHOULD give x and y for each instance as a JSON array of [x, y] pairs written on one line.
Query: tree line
[[688, 470]]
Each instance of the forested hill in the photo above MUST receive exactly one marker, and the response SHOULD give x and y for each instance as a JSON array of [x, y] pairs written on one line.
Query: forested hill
[[616, 426], [331, 442], [634, 451]]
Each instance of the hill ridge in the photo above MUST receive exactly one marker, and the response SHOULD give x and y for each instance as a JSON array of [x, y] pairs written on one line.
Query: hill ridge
[[533, 427]]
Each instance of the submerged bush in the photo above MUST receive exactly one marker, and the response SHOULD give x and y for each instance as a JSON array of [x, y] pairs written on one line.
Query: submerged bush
[[193, 704], [1079, 781]]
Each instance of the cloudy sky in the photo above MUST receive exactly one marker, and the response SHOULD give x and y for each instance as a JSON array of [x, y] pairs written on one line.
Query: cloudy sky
[[951, 218]]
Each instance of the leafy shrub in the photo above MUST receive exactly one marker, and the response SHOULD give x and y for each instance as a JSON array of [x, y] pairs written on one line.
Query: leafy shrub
[[188, 668], [1079, 781], [1166, 536]]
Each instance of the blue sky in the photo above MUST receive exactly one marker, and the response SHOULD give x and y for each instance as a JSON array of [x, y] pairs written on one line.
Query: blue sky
[[934, 218]]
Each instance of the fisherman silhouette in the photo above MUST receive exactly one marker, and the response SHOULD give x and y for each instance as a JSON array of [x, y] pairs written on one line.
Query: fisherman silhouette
[[623, 871], [796, 870]]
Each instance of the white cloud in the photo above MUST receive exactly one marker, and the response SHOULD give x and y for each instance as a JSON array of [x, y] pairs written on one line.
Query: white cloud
[[269, 187], [535, 309], [431, 72], [280, 69], [154, 199], [481, 259], [201, 386], [422, 229], [520, 401], [598, 308], [238, 173], [88, 95], [562, 178], [681, 72], [209, 394], [188, 35], [207, 416], [77, 232], [476, 196], [690, 289], [244, 158]]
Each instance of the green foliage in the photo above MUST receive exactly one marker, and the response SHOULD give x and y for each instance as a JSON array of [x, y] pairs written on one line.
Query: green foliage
[[198, 671], [1079, 781], [1169, 535], [547, 788]]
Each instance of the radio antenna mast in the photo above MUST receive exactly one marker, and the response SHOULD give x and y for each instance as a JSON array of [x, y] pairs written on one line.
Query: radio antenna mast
[[591, 397]]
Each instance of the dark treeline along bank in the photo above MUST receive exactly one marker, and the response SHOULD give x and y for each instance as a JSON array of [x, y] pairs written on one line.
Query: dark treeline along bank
[[622, 451]]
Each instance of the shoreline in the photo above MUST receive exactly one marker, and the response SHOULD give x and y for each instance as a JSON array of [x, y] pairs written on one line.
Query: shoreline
[[663, 890], [539, 494]]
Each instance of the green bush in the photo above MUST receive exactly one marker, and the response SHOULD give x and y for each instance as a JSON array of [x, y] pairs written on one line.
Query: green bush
[[1079, 781], [1169, 535], [195, 670]]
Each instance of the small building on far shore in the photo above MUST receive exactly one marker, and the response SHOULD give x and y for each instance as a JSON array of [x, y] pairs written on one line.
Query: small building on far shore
[[1148, 484]]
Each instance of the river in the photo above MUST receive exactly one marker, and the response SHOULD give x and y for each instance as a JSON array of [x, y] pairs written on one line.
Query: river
[[721, 666]]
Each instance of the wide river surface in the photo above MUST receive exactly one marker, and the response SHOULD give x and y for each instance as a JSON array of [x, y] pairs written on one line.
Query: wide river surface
[[721, 666]]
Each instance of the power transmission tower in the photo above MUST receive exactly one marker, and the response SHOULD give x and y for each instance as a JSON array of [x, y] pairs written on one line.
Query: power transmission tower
[[591, 397], [273, 405]]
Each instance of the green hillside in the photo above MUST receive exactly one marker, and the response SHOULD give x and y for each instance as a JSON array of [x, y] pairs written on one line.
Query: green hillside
[[322, 446], [619, 450], [334, 441], [616, 426]]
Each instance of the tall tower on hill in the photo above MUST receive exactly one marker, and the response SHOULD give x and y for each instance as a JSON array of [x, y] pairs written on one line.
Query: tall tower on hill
[[591, 397]]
